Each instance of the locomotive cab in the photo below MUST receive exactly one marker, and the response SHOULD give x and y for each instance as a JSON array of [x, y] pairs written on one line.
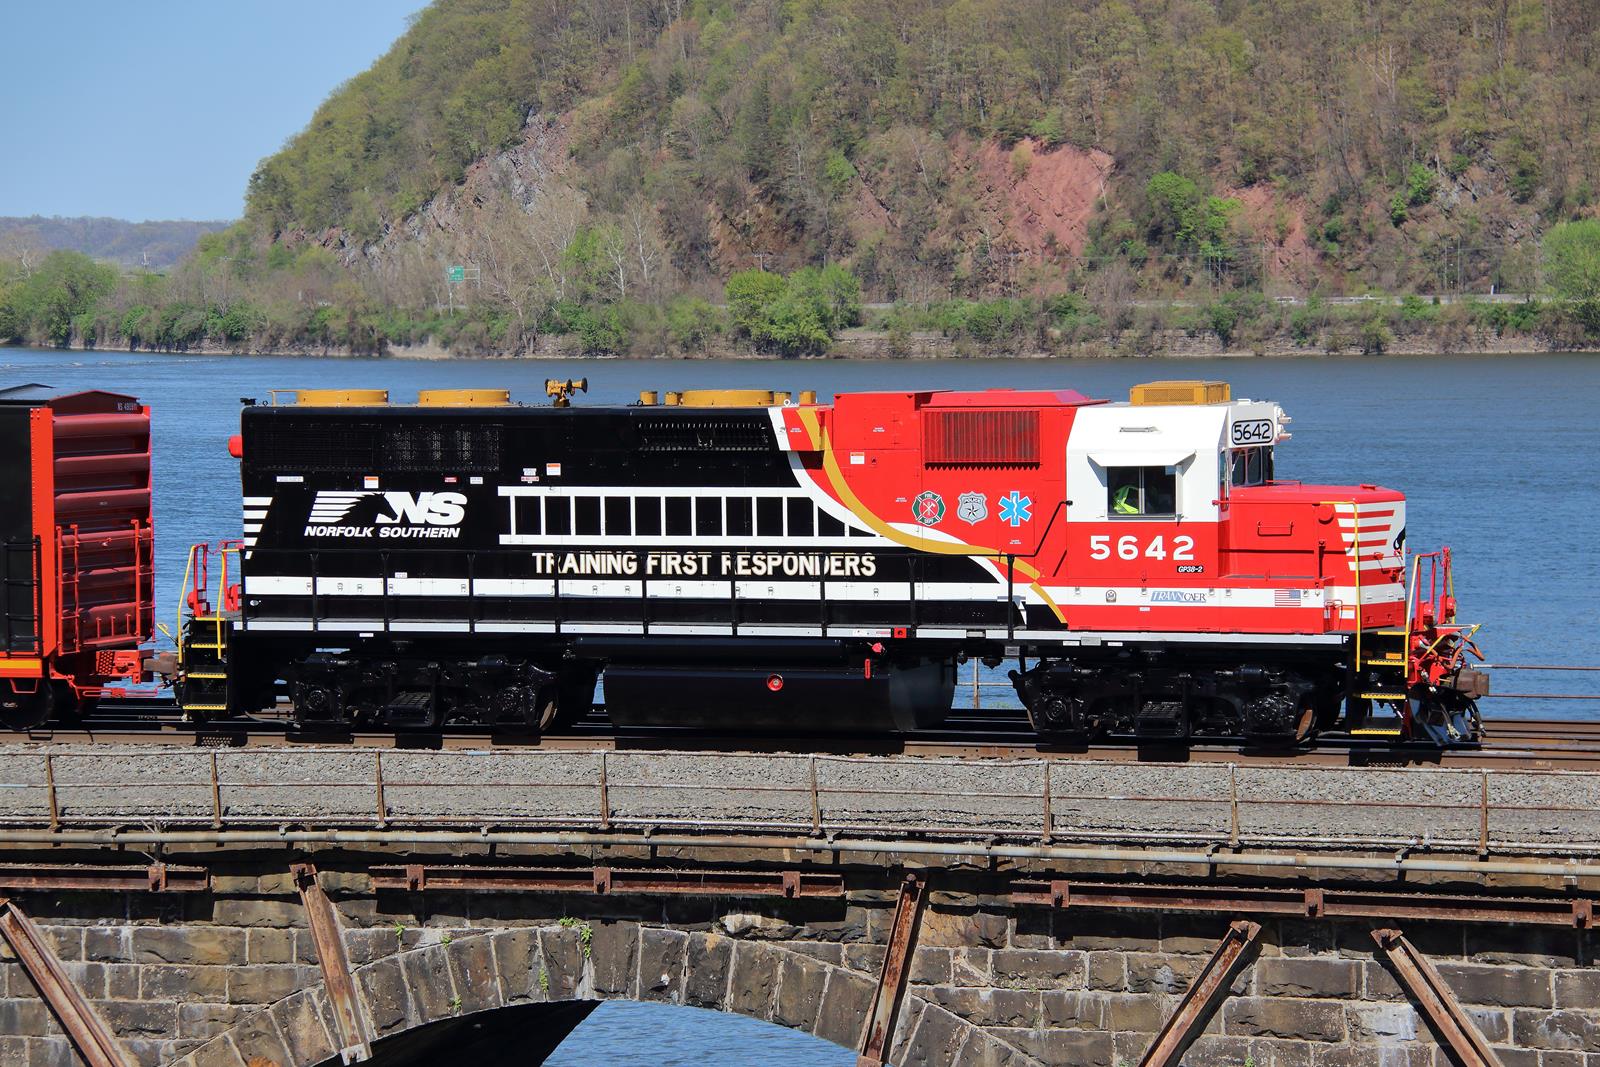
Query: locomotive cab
[[1218, 599], [1149, 488]]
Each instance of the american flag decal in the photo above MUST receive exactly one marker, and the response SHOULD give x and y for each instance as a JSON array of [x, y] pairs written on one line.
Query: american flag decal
[[1286, 598]]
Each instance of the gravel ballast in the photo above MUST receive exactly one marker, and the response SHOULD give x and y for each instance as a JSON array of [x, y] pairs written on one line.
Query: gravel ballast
[[100, 786]]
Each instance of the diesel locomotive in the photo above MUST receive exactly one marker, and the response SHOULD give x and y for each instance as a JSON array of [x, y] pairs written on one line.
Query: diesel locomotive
[[752, 561]]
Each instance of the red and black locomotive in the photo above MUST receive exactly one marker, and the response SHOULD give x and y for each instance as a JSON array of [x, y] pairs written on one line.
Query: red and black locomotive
[[741, 560], [737, 560]]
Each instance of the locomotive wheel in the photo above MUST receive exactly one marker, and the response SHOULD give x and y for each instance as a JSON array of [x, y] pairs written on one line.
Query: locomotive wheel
[[525, 707], [24, 711], [1055, 716], [1272, 717]]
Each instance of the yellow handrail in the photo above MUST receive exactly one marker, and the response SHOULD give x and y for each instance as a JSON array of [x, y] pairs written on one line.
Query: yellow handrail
[[1450, 586], [183, 598], [1355, 556]]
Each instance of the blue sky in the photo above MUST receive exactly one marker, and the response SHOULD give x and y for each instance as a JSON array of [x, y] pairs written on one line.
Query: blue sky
[[162, 109]]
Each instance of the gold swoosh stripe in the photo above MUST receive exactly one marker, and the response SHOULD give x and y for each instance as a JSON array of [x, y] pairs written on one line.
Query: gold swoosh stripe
[[820, 439]]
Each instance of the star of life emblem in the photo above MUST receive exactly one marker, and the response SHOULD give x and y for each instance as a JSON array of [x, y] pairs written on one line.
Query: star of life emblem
[[972, 508], [1016, 508], [928, 507]]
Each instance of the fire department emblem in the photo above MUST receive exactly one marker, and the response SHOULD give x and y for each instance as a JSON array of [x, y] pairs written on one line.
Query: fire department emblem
[[928, 508], [972, 507]]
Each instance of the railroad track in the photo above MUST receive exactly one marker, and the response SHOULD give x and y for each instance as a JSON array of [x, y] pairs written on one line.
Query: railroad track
[[1509, 744]]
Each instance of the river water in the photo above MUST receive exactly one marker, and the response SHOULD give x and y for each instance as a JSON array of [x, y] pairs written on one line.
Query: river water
[[1497, 456]]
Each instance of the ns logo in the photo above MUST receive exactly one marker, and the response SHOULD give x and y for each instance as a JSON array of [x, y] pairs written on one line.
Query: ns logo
[[388, 508], [425, 509]]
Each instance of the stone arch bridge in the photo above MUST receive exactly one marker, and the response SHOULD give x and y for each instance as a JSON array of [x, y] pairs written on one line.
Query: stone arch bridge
[[298, 907], [238, 962]]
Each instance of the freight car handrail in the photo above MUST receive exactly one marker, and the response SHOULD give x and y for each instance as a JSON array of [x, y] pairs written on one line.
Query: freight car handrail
[[1355, 556]]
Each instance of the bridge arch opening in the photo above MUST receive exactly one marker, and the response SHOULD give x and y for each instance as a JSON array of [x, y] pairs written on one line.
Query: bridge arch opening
[[545, 980], [617, 1033]]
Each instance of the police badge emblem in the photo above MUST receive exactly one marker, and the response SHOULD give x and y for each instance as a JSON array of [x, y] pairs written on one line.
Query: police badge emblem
[[972, 508]]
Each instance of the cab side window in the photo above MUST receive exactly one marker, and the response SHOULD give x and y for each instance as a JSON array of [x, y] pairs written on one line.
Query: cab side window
[[1251, 466], [1134, 491]]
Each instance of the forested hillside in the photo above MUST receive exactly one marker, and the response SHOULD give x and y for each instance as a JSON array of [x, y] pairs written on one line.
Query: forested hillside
[[1042, 169]]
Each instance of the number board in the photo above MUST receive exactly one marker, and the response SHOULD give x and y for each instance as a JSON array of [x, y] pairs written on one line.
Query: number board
[[1253, 432]]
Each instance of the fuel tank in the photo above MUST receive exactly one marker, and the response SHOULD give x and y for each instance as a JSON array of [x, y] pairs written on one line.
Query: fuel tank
[[768, 687]]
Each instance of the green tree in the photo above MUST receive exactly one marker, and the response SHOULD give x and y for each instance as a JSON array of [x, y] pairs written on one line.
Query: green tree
[[1572, 259], [833, 293], [751, 296], [66, 286], [692, 323], [794, 327], [1185, 219]]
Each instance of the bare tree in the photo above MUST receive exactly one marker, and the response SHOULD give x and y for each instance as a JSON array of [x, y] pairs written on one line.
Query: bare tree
[[22, 250], [645, 245], [1111, 293], [552, 222]]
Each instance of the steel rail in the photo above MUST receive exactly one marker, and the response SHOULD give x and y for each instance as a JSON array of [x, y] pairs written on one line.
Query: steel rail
[[1399, 864], [1534, 745]]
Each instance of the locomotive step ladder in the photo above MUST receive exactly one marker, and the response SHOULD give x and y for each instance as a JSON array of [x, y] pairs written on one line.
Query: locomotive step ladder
[[1382, 680], [201, 687]]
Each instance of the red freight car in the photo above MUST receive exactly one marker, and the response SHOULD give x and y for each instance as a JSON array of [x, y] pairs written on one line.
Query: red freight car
[[76, 600]]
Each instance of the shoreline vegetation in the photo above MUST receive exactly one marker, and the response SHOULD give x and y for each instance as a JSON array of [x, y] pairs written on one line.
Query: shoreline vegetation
[[68, 301], [864, 344]]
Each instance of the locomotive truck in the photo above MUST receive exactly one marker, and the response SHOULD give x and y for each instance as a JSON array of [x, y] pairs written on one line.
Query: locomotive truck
[[751, 561]]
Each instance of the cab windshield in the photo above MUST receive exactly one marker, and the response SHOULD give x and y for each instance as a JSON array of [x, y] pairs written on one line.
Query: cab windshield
[[1250, 466]]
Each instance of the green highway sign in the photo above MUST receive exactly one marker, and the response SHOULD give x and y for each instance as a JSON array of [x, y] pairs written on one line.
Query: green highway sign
[[456, 274]]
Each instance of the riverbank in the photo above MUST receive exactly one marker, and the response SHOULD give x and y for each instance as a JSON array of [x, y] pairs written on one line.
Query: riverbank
[[861, 344]]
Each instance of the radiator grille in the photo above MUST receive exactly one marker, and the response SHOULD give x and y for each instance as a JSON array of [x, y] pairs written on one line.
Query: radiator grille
[[297, 446], [981, 438], [705, 435]]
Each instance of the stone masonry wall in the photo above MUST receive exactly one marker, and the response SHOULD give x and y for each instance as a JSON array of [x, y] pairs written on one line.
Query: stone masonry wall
[[189, 978]]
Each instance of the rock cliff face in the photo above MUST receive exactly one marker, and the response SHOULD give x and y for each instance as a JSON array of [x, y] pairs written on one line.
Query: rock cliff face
[[527, 176], [1038, 212]]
